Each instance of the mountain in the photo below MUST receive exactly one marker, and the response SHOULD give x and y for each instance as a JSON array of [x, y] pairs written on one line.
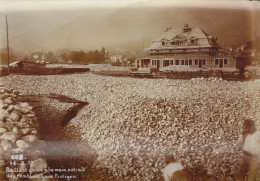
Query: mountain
[[132, 27]]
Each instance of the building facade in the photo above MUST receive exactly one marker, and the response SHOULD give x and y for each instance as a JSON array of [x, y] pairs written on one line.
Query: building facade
[[186, 46]]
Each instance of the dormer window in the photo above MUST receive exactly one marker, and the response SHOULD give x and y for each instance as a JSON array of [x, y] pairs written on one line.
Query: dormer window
[[193, 40], [163, 43]]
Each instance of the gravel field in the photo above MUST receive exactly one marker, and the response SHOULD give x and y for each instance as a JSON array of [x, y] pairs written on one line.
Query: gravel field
[[132, 123]]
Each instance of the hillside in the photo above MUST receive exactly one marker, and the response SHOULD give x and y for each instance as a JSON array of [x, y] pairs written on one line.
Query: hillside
[[133, 27]]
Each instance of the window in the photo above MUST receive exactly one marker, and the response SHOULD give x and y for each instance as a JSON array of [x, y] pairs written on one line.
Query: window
[[177, 62], [186, 62], [182, 62], [225, 61], [216, 61], [204, 61], [166, 63], [196, 61], [171, 62], [163, 43], [190, 62], [173, 42]]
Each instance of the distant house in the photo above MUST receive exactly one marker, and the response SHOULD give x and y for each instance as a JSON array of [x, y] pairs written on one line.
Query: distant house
[[188, 46], [116, 58], [35, 57]]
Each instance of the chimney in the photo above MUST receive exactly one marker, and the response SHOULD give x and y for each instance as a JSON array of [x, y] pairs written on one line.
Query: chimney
[[186, 28]]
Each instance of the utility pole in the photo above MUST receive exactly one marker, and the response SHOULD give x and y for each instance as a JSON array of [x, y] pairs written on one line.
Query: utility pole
[[7, 43]]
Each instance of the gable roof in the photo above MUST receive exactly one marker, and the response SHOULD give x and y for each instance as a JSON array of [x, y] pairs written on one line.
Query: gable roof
[[197, 33]]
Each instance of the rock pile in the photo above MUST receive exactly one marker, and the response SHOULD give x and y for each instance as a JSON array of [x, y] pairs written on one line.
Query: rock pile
[[20, 147], [178, 68], [97, 68], [133, 123]]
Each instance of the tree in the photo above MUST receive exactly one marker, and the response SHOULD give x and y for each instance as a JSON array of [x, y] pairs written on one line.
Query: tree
[[25, 59], [65, 57], [103, 53], [77, 56], [49, 56]]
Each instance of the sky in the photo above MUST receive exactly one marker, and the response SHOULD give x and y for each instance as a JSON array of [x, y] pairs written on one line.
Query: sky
[[68, 4], [61, 4]]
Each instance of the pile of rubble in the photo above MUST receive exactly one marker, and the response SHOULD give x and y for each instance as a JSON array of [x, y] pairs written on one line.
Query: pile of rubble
[[133, 123], [179, 68], [106, 67], [20, 147]]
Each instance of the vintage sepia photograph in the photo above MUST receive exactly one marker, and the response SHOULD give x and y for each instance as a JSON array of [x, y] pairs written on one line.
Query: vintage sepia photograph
[[115, 90]]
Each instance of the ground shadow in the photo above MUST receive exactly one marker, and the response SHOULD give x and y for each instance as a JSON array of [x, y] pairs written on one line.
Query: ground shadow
[[65, 149]]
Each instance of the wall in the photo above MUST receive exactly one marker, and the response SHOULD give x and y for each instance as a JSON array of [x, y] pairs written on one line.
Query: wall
[[20, 147]]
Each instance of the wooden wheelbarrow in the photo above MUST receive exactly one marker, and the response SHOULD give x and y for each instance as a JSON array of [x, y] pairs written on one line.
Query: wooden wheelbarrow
[[70, 113]]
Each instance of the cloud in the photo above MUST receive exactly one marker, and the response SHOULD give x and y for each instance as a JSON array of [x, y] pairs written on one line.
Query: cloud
[[15, 5]]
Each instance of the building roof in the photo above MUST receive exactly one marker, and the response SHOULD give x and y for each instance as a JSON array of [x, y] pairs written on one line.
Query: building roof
[[203, 39]]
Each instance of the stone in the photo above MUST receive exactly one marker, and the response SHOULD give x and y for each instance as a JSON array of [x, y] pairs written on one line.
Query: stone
[[31, 115], [24, 110], [17, 132], [1, 104], [12, 95], [9, 136], [17, 107], [2, 124], [22, 144], [16, 92], [38, 164], [8, 100], [2, 151], [7, 156], [5, 106], [30, 138], [16, 115], [25, 131], [2, 130], [25, 119], [9, 126], [6, 144], [34, 132], [4, 96], [2, 116], [10, 108], [22, 125], [24, 104]]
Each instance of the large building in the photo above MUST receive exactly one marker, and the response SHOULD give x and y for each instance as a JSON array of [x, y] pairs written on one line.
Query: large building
[[186, 46]]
